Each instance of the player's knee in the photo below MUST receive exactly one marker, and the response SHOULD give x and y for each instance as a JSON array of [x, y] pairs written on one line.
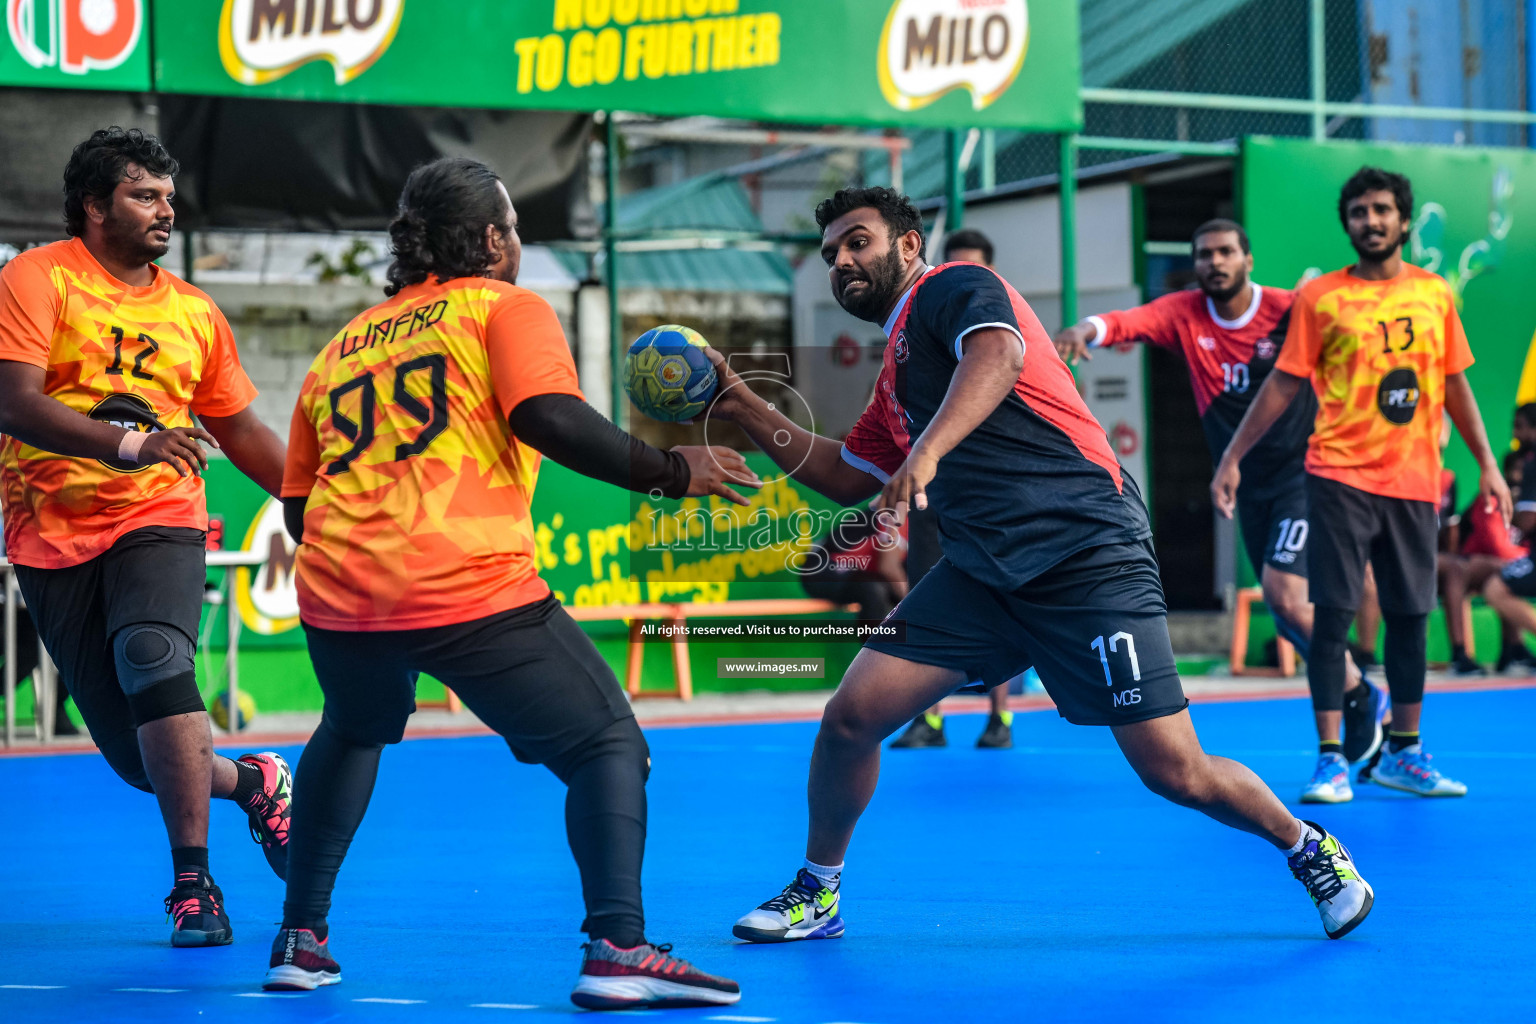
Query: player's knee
[[156, 670], [621, 742], [122, 753], [843, 722], [1184, 781], [1289, 604]]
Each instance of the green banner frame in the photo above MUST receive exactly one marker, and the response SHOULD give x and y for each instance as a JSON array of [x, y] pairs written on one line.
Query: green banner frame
[[985, 63]]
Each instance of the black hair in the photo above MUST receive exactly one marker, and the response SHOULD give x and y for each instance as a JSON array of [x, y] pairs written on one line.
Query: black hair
[[1374, 179], [1514, 458], [969, 238], [1222, 224], [894, 208], [439, 226], [100, 163], [1527, 414]]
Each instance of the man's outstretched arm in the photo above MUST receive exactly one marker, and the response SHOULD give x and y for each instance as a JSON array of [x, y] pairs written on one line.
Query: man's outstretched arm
[[810, 459]]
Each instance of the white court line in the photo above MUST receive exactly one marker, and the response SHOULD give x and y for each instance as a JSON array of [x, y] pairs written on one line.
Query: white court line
[[744, 1020], [503, 1006], [164, 990], [392, 1002], [35, 988]]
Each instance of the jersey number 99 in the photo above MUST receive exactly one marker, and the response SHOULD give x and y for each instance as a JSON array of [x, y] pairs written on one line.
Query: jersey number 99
[[360, 432]]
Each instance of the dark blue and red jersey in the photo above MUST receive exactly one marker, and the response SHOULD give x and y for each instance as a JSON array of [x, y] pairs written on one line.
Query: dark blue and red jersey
[[1228, 361], [1036, 481]]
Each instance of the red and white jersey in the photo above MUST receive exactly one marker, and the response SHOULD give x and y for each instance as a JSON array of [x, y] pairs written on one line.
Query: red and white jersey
[[1228, 362]]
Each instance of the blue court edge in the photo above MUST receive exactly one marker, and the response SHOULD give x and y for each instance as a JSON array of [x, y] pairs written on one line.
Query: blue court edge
[[1041, 884]]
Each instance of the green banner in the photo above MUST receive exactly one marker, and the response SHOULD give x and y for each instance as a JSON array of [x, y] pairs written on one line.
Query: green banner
[[76, 44], [1003, 63], [1474, 225], [596, 545]]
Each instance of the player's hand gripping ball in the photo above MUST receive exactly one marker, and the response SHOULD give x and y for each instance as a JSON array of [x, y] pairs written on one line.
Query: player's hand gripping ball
[[668, 373]]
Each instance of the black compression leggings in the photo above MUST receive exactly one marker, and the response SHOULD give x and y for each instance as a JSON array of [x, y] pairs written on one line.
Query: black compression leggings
[[605, 815], [1405, 659]]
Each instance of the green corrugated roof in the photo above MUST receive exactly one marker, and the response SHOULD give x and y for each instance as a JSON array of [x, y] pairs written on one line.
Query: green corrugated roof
[[709, 202]]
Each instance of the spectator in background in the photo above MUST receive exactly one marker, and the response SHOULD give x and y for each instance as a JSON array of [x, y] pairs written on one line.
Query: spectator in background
[[924, 552], [1508, 590]]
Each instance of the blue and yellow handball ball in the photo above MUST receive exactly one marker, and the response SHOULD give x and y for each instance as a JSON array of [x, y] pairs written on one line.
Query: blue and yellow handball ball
[[245, 710], [668, 374]]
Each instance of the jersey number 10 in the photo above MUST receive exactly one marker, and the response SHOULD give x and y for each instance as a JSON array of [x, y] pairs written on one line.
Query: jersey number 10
[[360, 432]]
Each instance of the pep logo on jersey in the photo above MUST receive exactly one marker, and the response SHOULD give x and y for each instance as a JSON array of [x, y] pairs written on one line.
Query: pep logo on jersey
[[929, 47], [1398, 396], [131, 413], [260, 41], [76, 36]]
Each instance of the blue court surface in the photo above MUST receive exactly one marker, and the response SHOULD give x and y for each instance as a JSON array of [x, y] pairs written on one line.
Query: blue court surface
[[1041, 884]]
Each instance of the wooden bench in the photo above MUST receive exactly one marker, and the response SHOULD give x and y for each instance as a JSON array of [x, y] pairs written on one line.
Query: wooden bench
[[675, 614], [1241, 614]]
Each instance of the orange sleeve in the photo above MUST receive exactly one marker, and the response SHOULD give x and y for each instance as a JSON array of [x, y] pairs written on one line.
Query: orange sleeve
[[225, 389], [528, 351], [1303, 342], [1458, 354], [29, 310], [303, 452]]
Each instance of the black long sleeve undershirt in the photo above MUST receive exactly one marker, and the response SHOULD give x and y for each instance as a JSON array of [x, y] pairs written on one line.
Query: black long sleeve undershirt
[[571, 432]]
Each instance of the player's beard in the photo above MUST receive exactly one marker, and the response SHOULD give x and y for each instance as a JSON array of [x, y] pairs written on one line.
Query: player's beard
[[884, 276], [1384, 254], [131, 243], [1223, 294]]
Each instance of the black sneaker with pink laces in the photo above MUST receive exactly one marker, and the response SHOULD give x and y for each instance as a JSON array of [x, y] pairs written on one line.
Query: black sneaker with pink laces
[[645, 977], [196, 910]]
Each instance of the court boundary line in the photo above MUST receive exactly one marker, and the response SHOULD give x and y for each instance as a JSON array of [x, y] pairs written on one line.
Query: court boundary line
[[1025, 704]]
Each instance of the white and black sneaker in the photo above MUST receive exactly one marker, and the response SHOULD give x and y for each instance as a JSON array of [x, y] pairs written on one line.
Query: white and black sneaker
[[1342, 897], [806, 909]]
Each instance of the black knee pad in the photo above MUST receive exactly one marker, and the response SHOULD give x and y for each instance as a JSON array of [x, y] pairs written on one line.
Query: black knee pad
[[151, 653], [122, 752], [1325, 667], [175, 696]]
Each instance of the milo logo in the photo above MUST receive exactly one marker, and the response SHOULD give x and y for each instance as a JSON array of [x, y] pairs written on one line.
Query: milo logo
[[131, 413], [929, 47], [1398, 395], [260, 41]]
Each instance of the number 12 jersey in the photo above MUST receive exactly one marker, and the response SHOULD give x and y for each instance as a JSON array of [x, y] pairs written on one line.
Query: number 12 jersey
[[419, 493]]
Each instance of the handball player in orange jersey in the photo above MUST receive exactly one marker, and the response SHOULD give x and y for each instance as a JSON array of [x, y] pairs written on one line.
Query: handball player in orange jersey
[[1383, 347], [104, 360], [414, 451]]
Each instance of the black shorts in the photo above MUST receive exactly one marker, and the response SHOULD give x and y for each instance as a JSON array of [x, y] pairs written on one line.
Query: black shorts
[[1094, 626], [1275, 528], [529, 673], [1349, 527], [152, 575], [1520, 577], [923, 550]]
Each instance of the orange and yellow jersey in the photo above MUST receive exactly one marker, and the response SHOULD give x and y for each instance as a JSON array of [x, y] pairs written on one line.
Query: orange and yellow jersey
[[143, 358], [418, 511], [1378, 353]]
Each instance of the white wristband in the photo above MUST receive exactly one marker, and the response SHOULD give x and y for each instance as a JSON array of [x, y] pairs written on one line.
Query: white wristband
[[128, 447]]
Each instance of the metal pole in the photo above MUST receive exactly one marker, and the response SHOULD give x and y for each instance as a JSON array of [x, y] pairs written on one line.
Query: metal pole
[[232, 648], [1319, 40], [1068, 229], [10, 657], [611, 267], [954, 179], [988, 159]]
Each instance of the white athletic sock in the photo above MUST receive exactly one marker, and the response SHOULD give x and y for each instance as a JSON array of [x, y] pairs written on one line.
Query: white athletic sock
[[1308, 833], [828, 876]]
